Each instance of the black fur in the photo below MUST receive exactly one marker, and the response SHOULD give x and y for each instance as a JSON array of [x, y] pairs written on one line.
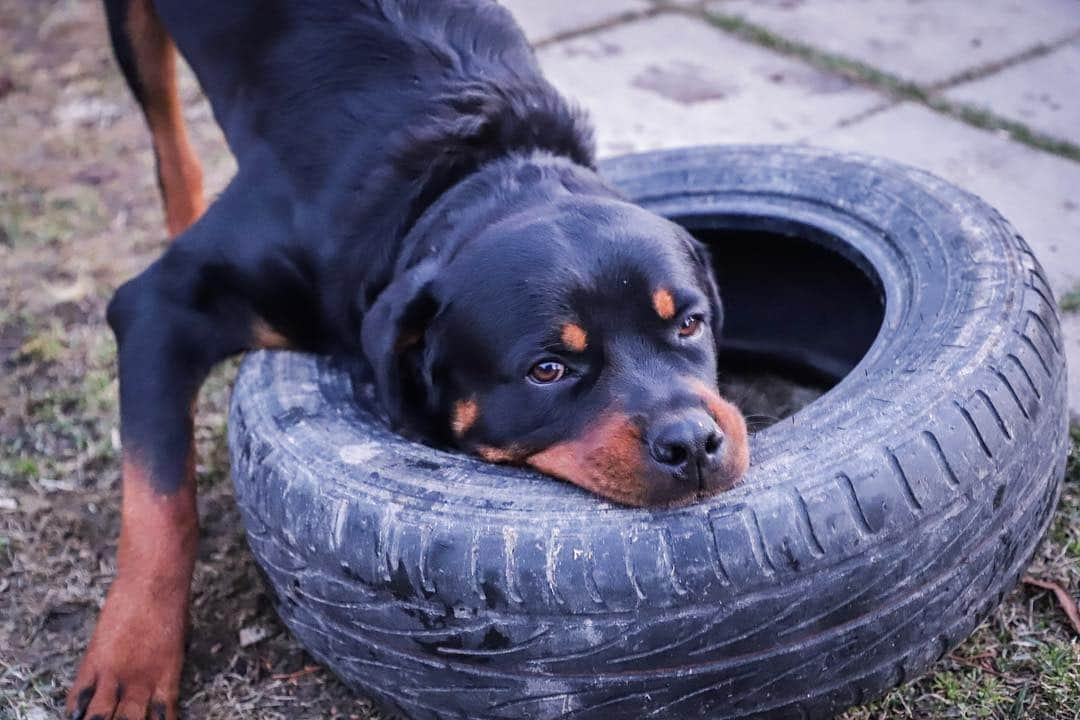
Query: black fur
[[395, 159], [411, 193]]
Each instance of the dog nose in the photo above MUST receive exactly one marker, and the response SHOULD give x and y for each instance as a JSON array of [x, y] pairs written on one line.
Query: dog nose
[[687, 443]]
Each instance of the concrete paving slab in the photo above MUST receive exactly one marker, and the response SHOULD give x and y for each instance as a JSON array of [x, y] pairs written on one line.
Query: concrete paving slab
[[1041, 93], [927, 42], [1037, 192], [673, 80], [544, 19]]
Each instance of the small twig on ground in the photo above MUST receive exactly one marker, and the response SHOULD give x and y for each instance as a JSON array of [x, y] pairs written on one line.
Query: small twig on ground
[[306, 670], [1065, 600], [969, 662]]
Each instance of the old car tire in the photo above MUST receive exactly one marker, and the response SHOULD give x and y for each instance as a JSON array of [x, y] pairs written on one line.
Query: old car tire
[[876, 528]]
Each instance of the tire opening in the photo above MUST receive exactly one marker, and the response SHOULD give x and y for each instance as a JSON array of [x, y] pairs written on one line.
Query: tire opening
[[800, 311]]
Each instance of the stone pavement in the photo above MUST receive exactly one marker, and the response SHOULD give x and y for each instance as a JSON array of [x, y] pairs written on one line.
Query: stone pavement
[[985, 93]]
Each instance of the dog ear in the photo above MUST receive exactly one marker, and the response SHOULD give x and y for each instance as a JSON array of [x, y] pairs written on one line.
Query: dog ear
[[708, 280], [393, 335]]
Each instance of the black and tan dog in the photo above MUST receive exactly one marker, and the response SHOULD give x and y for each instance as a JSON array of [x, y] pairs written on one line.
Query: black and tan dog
[[410, 191]]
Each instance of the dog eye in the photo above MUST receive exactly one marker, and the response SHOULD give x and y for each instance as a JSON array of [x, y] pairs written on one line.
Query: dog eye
[[691, 325], [547, 372]]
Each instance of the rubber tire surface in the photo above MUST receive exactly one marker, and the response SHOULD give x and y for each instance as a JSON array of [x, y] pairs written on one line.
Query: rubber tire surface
[[876, 528]]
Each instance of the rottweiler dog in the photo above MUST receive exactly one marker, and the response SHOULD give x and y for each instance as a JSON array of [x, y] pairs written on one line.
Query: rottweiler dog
[[412, 193]]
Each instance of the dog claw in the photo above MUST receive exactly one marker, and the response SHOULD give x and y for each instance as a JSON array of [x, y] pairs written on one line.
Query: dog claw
[[81, 703]]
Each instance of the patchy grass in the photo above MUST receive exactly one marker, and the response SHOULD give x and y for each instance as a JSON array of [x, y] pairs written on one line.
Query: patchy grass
[[40, 217], [78, 215], [1070, 301]]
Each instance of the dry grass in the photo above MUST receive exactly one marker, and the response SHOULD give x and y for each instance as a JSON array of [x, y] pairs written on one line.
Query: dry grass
[[78, 214]]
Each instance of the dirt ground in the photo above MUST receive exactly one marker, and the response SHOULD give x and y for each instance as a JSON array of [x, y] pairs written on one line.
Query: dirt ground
[[78, 215]]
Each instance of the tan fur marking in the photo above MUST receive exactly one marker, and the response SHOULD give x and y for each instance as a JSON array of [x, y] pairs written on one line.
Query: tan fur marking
[[663, 304], [498, 455], [606, 460], [574, 337], [178, 169], [138, 643], [267, 338], [736, 440], [465, 414]]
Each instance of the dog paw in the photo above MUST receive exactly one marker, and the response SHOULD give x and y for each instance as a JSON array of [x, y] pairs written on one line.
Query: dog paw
[[131, 671], [110, 697]]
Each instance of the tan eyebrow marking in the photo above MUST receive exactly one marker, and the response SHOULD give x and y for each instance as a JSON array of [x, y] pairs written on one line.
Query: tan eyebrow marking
[[574, 337], [663, 304], [465, 414]]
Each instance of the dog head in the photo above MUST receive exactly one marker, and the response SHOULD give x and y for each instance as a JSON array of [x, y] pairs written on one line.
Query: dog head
[[544, 321]]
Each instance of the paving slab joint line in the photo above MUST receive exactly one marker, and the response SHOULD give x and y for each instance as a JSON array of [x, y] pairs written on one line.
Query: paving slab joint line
[[893, 86], [982, 71], [621, 19], [693, 8], [888, 104]]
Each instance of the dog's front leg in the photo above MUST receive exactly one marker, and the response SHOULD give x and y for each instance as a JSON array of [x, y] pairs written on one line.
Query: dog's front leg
[[170, 331]]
